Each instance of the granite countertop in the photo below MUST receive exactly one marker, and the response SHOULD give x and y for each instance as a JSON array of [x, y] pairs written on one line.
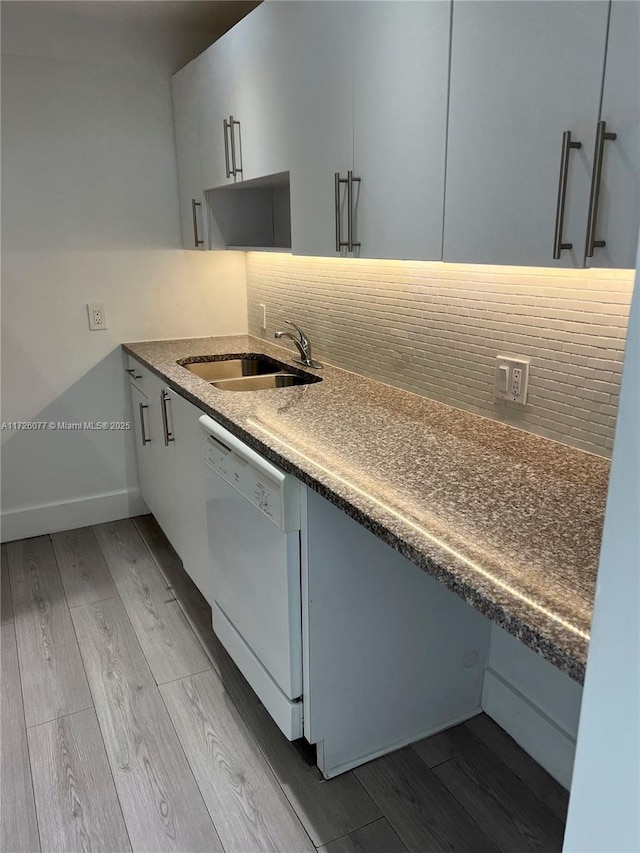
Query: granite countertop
[[509, 521]]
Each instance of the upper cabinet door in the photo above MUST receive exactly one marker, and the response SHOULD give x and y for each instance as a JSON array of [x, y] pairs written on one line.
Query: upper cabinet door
[[400, 75], [186, 91], [617, 217], [522, 74], [220, 148], [261, 49], [320, 136]]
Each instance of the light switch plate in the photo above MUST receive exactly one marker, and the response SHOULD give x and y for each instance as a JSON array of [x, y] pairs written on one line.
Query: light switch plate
[[512, 378]]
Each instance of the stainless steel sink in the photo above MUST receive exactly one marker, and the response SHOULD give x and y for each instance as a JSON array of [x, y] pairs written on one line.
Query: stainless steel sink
[[261, 383], [232, 368], [247, 373]]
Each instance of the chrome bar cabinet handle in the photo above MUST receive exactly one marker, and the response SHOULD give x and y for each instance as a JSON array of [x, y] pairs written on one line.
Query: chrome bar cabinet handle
[[234, 167], [567, 145], [602, 136], [340, 243], [351, 244], [145, 440], [196, 239], [132, 373], [168, 436], [227, 168]]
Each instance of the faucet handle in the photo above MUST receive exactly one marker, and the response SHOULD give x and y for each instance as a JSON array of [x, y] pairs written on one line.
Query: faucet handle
[[297, 328]]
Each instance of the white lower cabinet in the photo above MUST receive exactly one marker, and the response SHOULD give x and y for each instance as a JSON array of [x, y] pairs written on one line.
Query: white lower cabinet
[[389, 654], [189, 489], [168, 453]]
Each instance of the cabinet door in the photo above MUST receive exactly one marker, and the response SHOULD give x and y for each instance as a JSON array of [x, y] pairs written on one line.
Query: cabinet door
[[163, 446], [186, 91], [618, 214], [156, 458], [261, 47], [216, 105], [321, 137], [521, 75], [144, 454], [192, 513], [400, 79]]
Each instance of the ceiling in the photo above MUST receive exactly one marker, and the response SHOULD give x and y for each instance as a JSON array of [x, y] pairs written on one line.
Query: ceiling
[[214, 17]]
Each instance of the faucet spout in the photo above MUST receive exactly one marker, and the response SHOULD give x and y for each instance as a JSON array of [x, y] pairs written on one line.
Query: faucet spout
[[303, 345]]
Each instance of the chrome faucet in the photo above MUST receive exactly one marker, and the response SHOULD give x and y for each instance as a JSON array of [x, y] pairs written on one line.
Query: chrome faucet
[[302, 343]]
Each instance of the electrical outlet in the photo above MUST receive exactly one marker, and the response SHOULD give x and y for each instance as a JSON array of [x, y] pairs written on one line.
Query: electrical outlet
[[512, 378], [516, 381], [263, 316], [97, 317]]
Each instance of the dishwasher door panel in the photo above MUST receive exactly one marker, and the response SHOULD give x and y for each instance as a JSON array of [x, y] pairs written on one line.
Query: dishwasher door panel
[[256, 581]]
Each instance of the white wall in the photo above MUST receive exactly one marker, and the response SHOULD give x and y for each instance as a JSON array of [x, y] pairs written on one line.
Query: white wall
[[604, 810], [89, 213]]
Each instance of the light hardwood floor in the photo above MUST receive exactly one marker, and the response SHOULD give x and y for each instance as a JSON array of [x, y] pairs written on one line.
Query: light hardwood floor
[[126, 726]]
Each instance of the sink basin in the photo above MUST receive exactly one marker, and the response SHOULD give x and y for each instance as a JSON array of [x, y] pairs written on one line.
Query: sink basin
[[262, 383], [247, 372], [232, 368]]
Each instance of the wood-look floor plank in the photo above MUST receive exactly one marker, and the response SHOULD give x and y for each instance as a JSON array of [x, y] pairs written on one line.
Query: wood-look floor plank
[[78, 809], [161, 803], [327, 809], [192, 601], [529, 771], [438, 748], [169, 644], [18, 825], [377, 837], [83, 570], [419, 808], [247, 805], [495, 797], [53, 679]]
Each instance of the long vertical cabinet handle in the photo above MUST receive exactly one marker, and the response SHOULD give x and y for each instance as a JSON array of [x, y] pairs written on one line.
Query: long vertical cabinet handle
[[196, 238], [602, 136], [340, 243], [227, 168], [567, 145], [168, 436], [143, 431], [351, 244], [234, 167]]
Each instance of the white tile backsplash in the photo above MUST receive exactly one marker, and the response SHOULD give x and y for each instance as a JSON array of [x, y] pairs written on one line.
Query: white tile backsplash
[[435, 329]]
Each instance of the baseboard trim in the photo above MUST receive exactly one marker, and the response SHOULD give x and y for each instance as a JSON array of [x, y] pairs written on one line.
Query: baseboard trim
[[540, 736], [67, 515]]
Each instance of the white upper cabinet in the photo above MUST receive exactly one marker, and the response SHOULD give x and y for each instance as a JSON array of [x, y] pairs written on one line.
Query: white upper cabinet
[[261, 49], [220, 146], [617, 218], [186, 91], [522, 75], [320, 134], [400, 78]]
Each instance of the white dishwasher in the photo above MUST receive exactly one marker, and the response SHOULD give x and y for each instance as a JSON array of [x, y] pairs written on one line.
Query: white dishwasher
[[253, 520]]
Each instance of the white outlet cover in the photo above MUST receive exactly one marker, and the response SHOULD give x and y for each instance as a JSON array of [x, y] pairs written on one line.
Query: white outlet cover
[[503, 383], [97, 316]]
